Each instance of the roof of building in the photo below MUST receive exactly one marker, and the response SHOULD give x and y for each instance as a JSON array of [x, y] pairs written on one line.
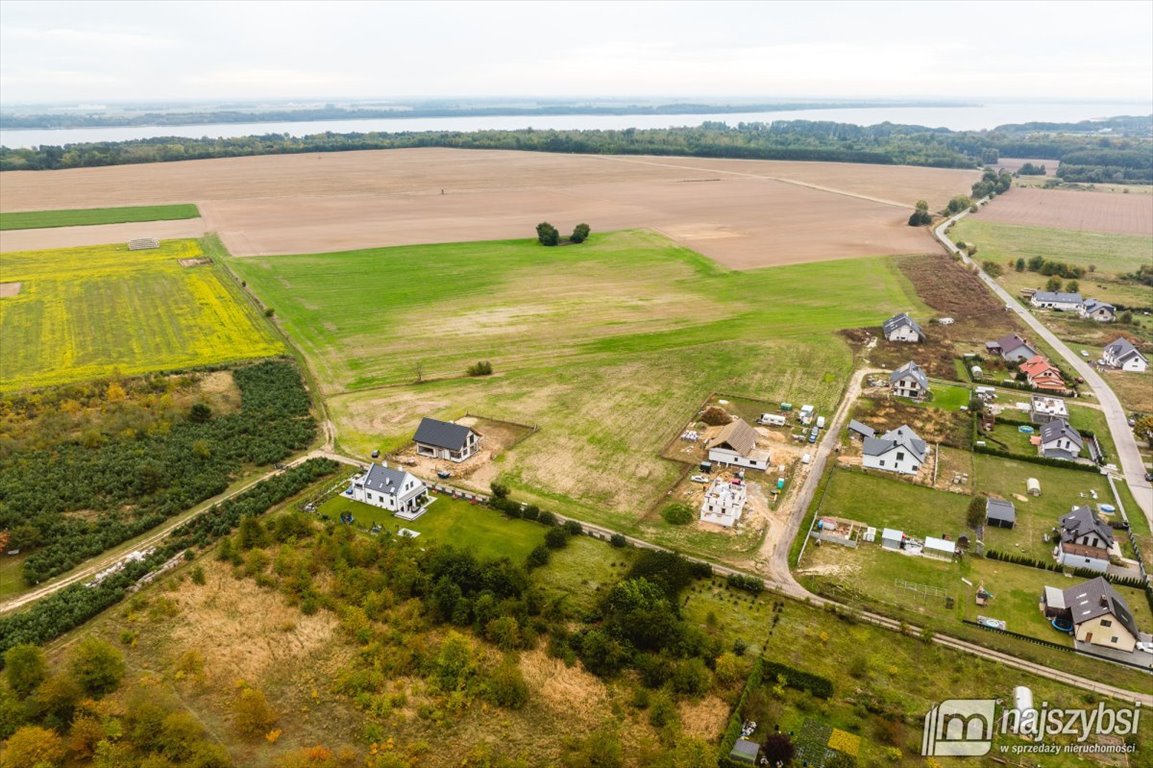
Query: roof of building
[[1000, 509], [903, 319], [1055, 598], [861, 429], [737, 435], [745, 751], [892, 533], [905, 436], [1038, 364], [1097, 597], [386, 479], [442, 434], [940, 545], [1050, 406], [910, 369], [1057, 297], [1058, 428], [1123, 348], [1082, 521], [1011, 342], [1092, 305]]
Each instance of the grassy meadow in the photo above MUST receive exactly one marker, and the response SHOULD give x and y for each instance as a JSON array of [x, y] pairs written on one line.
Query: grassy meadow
[[84, 313], [88, 216], [609, 347]]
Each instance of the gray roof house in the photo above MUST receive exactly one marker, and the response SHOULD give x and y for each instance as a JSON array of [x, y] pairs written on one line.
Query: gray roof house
[[445, 440], [1060, 441], [1122, 354], [902, 328], [898, 450], [1095, 309], [389, 488], [1011, 347], [909, 381], [1068, 302], [1000, 513], [1100, 616], [1081, 526]]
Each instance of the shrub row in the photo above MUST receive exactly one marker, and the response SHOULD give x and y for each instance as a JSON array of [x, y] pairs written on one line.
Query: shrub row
[[1052, 565], [747, 583], [821, 687], [1037, 459], [736, 719]]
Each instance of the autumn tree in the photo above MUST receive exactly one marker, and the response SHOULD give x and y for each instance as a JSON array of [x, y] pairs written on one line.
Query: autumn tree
[[253, 715], [33, 747], [25, 668], [96, 666]]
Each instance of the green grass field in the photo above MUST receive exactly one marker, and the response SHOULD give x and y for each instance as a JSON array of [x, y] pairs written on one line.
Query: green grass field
[[950, 397], [85, 313], [88, 216], [609, 347]]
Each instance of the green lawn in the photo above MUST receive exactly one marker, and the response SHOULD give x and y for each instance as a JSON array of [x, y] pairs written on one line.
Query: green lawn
[[949, 397], [886, 502], [609, 348], [87, 216], [451, 521]]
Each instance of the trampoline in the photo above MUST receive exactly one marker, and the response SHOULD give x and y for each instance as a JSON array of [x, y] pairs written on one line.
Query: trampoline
[[1062, 624]]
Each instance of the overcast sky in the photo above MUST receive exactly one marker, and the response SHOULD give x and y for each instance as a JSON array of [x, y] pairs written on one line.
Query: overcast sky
[[96, 52]]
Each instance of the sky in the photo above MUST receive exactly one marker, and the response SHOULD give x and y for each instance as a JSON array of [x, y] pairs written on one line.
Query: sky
[[105, 52]]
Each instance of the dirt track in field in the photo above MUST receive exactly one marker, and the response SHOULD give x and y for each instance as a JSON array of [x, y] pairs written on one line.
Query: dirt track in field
[[742, 213], [69, 237], [1107, 212]]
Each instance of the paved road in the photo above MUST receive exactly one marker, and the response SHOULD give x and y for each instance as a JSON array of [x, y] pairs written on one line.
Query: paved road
[[1118, 420]]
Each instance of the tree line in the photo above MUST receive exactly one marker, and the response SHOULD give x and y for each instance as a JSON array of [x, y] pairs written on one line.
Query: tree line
[[886, 143]]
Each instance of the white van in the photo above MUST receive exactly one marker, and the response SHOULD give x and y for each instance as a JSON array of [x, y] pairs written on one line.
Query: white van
[[820, 422]]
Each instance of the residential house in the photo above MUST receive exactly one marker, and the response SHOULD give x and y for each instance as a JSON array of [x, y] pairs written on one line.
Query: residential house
[[1043, 409], [393, 489], [898, 450], [1060, 441], [1100, 616], [1011, 348], [1042, 374], [1083, 541], [909, 381], [1064, 302], [1122, 354], [1101, 311], [445, 440], [736, 444], [902, 328], [1000, 513], [724, 502]]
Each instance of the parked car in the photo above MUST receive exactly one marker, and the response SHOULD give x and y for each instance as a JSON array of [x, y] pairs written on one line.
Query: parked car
[[699, 479], [1146, 647], [443, 474], [813, 434]]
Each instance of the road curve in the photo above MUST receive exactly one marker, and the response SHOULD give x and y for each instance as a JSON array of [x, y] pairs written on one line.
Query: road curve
[[1115, 416]]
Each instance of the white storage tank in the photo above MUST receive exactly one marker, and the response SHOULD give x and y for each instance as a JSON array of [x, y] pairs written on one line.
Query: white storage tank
[[1025, 719]]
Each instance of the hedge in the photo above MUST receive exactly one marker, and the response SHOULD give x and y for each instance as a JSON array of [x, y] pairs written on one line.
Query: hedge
[[736, 719], [1064, 464], [821, 687]]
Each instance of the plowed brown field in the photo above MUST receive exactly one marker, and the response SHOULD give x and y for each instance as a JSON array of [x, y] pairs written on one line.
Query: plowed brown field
[[743, 213], [1109, 212]]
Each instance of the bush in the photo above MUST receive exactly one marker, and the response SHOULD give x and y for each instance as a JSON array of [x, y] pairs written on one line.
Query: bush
[[678, 513], [547, 518], [499, 491], [573, 527], [547, 234], [619, 541], [556, 538], [716, 416], [580, 233], [747, 583], [96, 666], [539, 557], [507, 687], [482, 368], [819, 686]]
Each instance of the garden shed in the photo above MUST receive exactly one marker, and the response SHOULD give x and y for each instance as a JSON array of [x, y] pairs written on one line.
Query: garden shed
[[892, 538], [1000, 513], [941, 549]]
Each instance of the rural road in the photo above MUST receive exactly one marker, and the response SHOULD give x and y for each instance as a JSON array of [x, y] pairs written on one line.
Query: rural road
[[1118, 420]]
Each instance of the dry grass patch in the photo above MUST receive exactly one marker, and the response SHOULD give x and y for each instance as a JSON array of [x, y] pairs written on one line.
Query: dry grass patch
[[705, 718], [7, 290]]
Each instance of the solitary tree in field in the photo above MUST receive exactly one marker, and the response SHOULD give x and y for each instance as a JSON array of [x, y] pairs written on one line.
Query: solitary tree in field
[[547, 234], [921, 216]]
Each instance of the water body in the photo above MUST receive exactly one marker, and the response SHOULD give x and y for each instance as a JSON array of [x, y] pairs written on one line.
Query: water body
[[972, 118]]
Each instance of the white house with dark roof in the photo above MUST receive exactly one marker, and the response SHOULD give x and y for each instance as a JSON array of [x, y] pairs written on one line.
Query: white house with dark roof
[[898, 450], [1123, 355], [1011, 347], [736, 444], [1084, 541], [1060, 441], [1065, 302], [445, 440], [1100, 616], [902, 328], [909, 381], [393, 489], [1095, 309]]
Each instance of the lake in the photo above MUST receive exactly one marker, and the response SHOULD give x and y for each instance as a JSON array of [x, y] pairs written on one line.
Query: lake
[[961, 118]]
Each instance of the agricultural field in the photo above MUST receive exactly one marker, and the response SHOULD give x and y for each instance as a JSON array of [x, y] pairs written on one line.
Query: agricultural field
[[86, 313], [1108, 255], [81, 217], [1073, 210], [741, 213], [608, 347]]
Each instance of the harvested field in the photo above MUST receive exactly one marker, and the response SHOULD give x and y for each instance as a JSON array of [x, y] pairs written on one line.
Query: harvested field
[[1076, 210], [1013, 164], [755, 213], [8, 290], [72, 237]]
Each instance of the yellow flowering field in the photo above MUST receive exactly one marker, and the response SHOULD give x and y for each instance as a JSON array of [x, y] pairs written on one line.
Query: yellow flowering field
[[84, 313]]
